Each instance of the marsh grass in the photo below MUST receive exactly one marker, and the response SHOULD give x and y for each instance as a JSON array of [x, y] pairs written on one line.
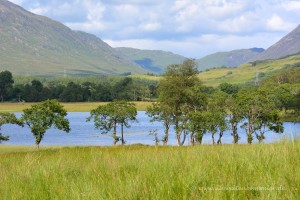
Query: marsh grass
[[153, 172]]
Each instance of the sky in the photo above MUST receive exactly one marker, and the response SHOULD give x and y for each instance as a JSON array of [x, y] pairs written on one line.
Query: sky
[[192, 28]]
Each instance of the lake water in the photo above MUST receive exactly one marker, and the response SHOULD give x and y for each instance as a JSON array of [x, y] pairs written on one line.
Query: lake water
[[84, 133]]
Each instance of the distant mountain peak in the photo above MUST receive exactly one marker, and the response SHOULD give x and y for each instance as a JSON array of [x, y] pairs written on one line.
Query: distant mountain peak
[[288, 45]]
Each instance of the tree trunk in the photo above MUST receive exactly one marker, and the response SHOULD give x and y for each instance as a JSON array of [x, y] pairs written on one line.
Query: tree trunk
[[178, 136], [220, 137], [192, 138], [234, 132], [166, 138], [115, 133], [213, 138], [122, 134]]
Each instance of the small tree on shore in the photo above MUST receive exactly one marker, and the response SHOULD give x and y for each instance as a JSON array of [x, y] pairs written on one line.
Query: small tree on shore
[[8, 118], [106, 117], [42, 116]]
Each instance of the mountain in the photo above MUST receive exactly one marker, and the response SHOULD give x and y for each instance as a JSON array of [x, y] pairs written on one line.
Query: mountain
[[288, 45], [154, 61], [228, 59], [35, 45]]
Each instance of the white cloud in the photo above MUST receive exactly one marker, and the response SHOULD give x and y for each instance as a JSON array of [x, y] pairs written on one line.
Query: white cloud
[[40, 10], [276, 23], [151, 26], [19, 2], [292, 5]]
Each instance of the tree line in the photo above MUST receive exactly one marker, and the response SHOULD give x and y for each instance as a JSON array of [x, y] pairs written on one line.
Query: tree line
[[183, 103], [124, 89]]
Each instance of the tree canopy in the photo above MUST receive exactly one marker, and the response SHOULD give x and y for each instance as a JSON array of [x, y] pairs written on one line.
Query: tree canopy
[[42, 116]]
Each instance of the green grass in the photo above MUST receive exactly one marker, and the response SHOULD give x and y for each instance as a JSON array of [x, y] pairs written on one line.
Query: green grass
[[149, 172]]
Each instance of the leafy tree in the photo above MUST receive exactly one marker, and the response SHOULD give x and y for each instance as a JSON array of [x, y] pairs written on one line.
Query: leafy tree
[[259, 109], [106, 117], [42, 116], [72, 93], [6, 84], [8, 118], [180, 90], [229, 88], [235, 116], [198, 126], [127, 113], [161, 112]]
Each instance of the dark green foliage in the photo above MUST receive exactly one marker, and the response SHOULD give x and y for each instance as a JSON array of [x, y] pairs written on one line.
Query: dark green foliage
[[161, 112], [80, 90], [229, 88], [107, 117], [6, 83], [8, 118], [259, 109], [180, 91], [42, 116]]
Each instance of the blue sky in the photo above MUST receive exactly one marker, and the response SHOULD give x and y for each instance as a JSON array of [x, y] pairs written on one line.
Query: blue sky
[[193, 28]]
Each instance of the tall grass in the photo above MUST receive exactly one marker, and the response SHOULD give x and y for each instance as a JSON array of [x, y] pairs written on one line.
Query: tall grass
[[266, 171]]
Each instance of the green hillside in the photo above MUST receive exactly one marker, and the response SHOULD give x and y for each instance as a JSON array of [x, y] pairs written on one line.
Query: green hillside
[[35, 45], [154, 61], [228, 59], [250, 72], [244, 74]]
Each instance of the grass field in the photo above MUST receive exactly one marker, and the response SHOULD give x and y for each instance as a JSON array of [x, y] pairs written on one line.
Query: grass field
[[243, 74], [70, 107], [266, 171]]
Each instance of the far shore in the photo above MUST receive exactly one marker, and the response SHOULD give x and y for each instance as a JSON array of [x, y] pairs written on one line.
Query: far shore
[[70, 107]]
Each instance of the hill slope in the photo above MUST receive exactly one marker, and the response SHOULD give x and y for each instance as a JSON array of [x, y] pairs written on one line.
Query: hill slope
[[36, 45], [228, 59], [154, 61], [288, 45], [245, 74], [249, 73]]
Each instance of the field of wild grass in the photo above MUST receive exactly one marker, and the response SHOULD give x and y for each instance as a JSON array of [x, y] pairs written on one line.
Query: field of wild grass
[[266, 171]]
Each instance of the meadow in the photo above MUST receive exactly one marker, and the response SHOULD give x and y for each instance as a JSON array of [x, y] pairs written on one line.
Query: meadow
[[243, 74], [70, 107], [265, 171]]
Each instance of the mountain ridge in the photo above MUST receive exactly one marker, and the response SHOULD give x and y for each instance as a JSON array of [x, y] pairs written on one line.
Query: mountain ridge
[[155, 61], [228, 59], [47, 47], [288, 45]]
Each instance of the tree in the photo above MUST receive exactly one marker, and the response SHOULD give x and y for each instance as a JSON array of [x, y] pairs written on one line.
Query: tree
[[181, 91], [6, 83], [160, 112], [229, 88], [235, 116], [259, 109], [106, 117], [42, 116], [127, 113], [8, 118]]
